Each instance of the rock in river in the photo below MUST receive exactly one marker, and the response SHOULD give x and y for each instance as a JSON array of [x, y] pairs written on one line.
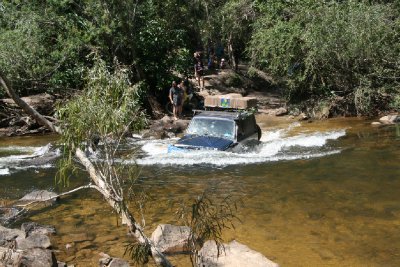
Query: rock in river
[[40, 195], [235, 254], [16, 250], [107, 261], [34, 228], [171, 238], [390, 119]]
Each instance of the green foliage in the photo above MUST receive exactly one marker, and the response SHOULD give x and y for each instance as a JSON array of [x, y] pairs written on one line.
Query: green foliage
[[252, 73], [207, 217], [38, 51], [105, 110], [325, 46], [108, 106], [234, 80], [138, 252], [395, 104]]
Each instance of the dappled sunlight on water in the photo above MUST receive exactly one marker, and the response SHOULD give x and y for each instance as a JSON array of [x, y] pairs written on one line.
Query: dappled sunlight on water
[[331, 209]]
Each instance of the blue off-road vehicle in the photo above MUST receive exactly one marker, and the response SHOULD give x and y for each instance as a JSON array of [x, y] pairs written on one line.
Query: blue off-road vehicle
[[219, 130]]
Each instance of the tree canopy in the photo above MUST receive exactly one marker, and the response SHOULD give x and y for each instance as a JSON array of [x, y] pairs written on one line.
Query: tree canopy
[[316, 49]]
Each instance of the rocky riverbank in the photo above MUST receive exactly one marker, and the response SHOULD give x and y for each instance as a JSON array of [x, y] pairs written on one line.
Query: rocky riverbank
[[13, 121], [29, 246]]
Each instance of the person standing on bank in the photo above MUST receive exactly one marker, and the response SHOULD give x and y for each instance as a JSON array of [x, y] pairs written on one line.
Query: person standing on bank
[[199, 70], [176, 98]]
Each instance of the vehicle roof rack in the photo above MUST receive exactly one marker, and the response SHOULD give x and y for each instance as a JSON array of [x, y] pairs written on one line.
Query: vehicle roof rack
[[240, 113]]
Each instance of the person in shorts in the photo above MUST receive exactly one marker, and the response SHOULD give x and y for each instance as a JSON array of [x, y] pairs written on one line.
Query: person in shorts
[[176, 98]]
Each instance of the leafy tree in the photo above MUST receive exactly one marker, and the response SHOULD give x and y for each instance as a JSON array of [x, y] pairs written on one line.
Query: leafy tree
[[38, 49], [323, 48]]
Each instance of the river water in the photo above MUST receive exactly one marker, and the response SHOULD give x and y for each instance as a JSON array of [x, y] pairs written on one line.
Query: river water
[[313, 194]]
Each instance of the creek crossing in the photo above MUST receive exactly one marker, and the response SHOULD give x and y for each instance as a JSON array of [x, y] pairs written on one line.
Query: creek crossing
[[314, 194]]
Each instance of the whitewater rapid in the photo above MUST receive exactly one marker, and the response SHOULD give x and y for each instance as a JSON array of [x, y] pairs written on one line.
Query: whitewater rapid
[[275, 145], [27, 157]]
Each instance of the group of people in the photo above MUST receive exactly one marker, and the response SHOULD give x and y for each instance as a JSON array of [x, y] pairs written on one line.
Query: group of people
[[178, 92]]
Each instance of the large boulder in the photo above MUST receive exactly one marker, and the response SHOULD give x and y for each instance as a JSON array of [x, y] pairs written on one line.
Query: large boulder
[[16, 250], [9, 214], [171, 238], [35, 257], [165, 127], [234, 254], [8, 237], [9, 257], [34, 241]]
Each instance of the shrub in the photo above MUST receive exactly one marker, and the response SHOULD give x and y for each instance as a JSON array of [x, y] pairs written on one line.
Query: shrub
[[320, 47]]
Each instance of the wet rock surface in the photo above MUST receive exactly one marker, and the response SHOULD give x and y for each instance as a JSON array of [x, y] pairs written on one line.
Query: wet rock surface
[[387, 120], [40, 195]]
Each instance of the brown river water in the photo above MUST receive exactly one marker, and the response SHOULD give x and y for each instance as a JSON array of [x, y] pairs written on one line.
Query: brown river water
[[325, 193]]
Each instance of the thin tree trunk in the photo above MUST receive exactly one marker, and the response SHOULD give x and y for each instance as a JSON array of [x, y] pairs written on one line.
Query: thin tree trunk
[[22, 104], [231, 53], [134, 228]]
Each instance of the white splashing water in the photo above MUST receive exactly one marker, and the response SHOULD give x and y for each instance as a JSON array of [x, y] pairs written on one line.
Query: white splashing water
[[5, 171], [274, 146], [25, 156]]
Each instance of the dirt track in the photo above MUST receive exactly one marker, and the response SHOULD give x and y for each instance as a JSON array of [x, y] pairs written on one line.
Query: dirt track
[[224, 81]]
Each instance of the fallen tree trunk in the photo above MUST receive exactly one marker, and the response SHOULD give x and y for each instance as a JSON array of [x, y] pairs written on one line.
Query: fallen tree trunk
[[22, 104]]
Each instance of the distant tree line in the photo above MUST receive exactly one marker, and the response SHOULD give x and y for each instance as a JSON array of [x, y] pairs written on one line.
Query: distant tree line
[[315, 49]]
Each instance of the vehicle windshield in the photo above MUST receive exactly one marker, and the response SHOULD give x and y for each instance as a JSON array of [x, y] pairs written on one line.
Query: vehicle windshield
[[213, 127]]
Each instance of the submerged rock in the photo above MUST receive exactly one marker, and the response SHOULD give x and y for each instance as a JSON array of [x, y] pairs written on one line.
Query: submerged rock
[[234, 254], [376, 123], [40, 195], [170, 238]]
